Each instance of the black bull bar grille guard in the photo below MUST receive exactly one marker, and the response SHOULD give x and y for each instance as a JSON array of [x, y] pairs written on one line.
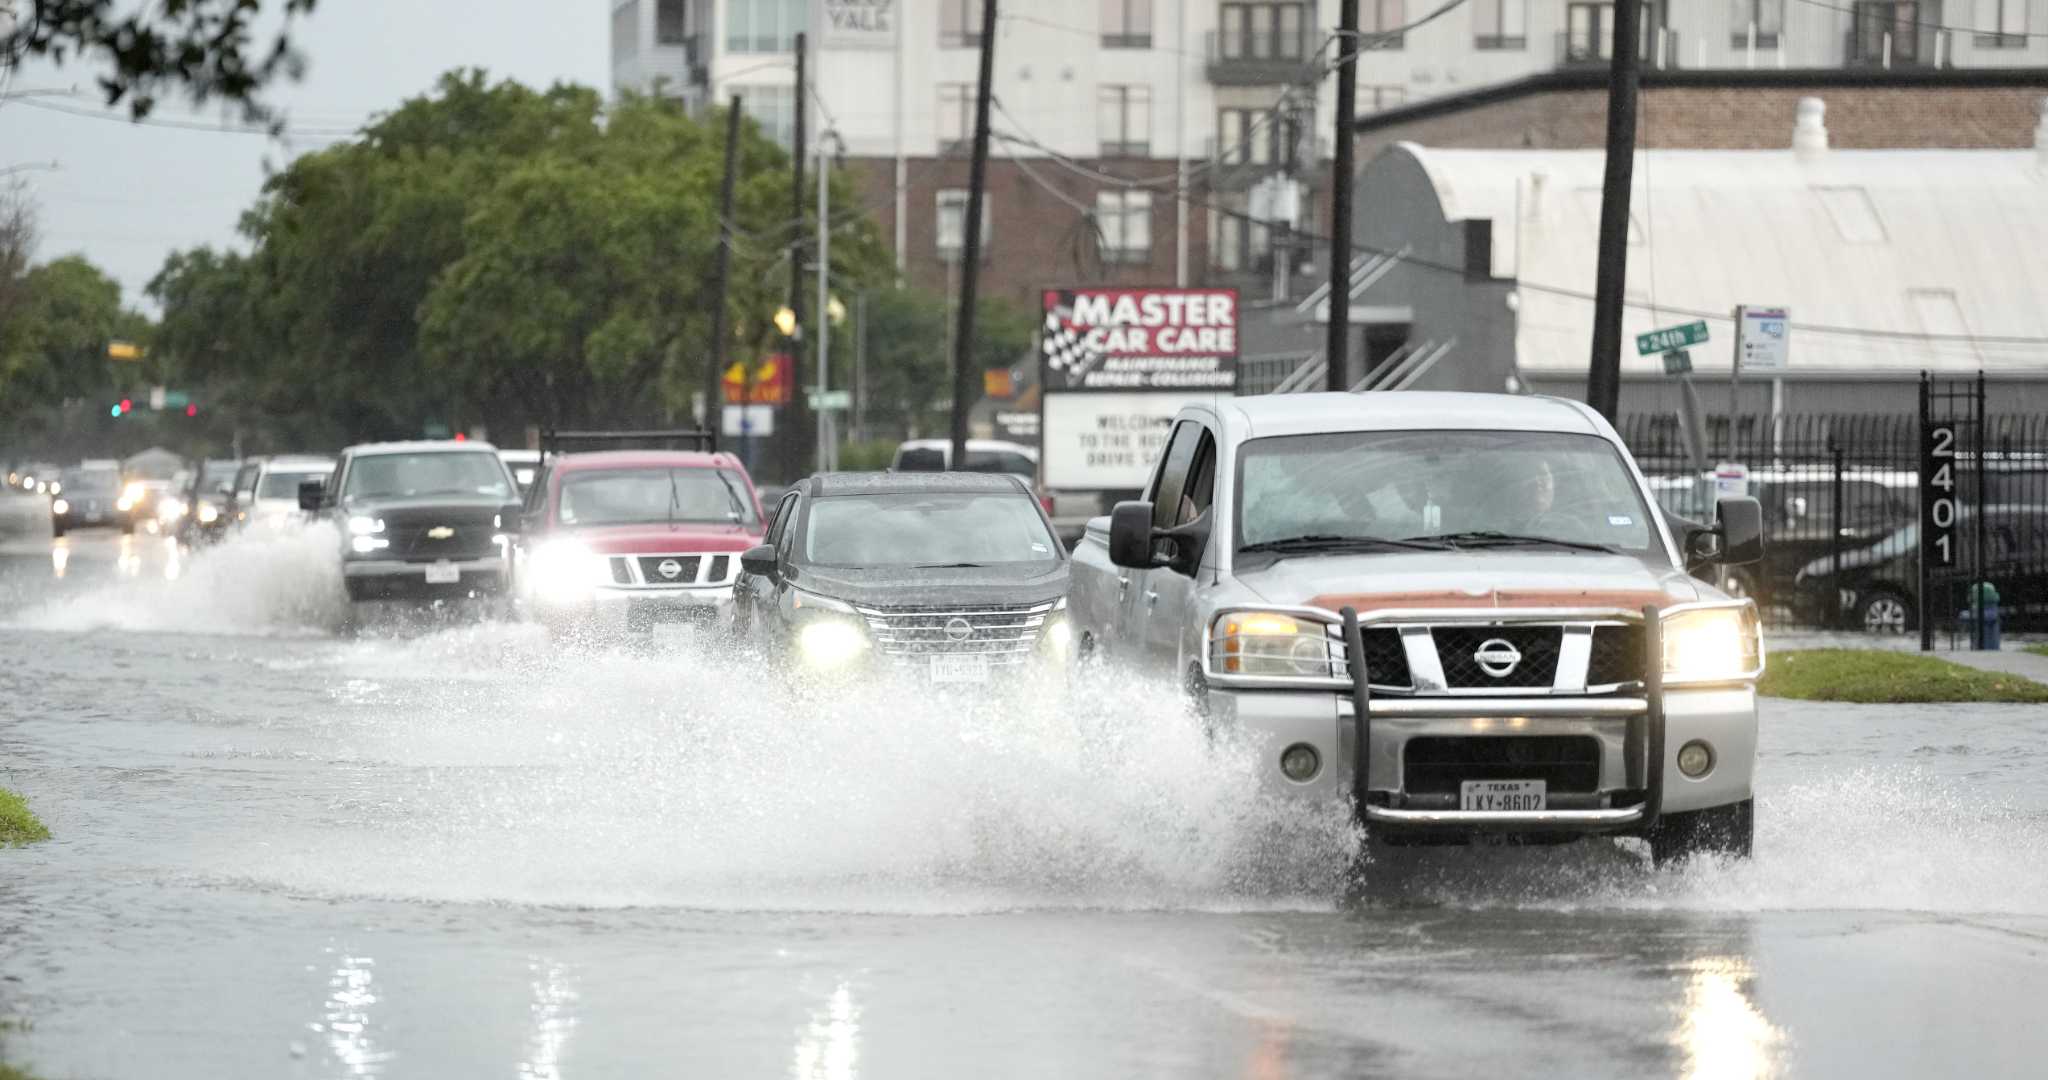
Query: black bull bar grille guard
[[1646, 731]]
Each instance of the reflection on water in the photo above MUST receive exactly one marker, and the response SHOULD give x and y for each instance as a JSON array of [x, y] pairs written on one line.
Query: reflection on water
[[828, 1048], [174, 560], [554, 997], [60, 556], [345, 1017], [1722, 1033]]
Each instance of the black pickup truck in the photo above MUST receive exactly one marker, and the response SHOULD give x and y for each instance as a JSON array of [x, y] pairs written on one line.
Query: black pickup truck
[[419, 520]]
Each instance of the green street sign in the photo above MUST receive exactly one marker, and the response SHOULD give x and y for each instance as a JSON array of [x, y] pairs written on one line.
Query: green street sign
[[176, 399], [830, 400], [1671, 337], [1678, 362]]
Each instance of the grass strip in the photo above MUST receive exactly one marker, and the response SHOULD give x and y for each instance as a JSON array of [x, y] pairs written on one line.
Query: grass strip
[[1879, 677], [18, 825]]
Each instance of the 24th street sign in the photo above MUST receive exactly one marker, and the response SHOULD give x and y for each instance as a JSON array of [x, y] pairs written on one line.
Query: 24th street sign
[[1671, 337]]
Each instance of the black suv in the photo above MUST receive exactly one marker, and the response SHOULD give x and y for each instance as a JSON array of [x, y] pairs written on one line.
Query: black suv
[[953, 577], [419, 520]]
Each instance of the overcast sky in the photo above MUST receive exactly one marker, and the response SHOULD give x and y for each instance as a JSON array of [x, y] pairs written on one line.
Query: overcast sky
[[125, 195]]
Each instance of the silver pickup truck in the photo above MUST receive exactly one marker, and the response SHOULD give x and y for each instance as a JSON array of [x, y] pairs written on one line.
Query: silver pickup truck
[[1462, 613]]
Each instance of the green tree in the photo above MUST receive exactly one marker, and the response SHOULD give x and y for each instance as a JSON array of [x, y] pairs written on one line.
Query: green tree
[[909, 368], [207, 48]]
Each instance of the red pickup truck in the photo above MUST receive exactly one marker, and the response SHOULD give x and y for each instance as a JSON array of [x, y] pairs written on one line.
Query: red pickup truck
[[630, 540]]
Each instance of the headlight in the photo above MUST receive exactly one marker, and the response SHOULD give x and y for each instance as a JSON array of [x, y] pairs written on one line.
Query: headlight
[[208, 513], [1269, 643], [364, 526], [564, 571], [1058, 635], [56, 487], [830, 641], [169, 510], [1720, 644], [60, 507], [132, 494]]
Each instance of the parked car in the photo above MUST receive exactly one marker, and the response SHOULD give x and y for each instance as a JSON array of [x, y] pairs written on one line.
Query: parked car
[[423, 520], [267, 490], [89, 499], [1879, 585], [204, 511], [954, 578], [1509, 587], [635, 539]]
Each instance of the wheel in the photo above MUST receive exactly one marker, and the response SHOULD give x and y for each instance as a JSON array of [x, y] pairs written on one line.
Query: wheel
[[1885, 611], [128, 528], [56, 530], [1720, 830]]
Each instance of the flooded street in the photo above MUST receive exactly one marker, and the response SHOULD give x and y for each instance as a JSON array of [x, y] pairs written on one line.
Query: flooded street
[[451, 850]]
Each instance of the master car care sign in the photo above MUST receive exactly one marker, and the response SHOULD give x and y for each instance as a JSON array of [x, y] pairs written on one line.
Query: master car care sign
[[1140, 339], [1116, 364]]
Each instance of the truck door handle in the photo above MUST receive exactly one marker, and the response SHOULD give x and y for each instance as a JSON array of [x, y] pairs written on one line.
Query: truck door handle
[[1123, 585], [1151, 597]]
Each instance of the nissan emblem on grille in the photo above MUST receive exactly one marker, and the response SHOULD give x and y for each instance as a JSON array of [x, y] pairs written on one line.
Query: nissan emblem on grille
[[440, 532], [670, 568], [959, 629], [1497, 658]]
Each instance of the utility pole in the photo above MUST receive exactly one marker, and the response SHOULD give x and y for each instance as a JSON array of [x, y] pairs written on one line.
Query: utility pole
[[1603, 374], [797, 149], [1337, 349], [722, 274], [824, 315], [970, 245]]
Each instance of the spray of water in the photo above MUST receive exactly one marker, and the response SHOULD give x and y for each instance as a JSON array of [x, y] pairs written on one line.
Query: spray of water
[[261, 581]]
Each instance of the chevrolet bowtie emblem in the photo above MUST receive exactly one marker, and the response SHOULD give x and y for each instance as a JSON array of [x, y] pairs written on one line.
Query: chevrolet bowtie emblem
[[440, 532]]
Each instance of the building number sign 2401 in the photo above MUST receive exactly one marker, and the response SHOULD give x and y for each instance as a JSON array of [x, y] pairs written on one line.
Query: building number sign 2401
[[1940, 495]]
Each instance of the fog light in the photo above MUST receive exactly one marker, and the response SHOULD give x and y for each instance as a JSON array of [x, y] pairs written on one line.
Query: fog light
[[1695, 759], [1300, 763]]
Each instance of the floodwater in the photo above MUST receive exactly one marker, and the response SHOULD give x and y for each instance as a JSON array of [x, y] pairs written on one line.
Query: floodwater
[[443, 848]]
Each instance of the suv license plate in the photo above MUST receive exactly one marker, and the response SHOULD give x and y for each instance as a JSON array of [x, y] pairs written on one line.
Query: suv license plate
[[443, 573], [959, 668], [1491, 796]]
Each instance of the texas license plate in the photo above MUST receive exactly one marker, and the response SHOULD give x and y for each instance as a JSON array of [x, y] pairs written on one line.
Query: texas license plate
[[959, 668], [674, 635], [1491, 796], [443, 573]]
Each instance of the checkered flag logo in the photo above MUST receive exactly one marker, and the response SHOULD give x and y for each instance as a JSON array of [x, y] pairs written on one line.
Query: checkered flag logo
[[1062, 344]]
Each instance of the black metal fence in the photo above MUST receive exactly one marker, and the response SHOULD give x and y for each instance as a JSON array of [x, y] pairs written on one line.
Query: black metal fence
[[1843, 511]]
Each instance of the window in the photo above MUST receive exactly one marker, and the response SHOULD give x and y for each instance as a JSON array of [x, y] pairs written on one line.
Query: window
[[959, 24], [1200, 490], [671, 22], [1375, 98], [653, 496], [1500, 24], [1125, 219], [1262, 32], [1766, 16], [763, 26], [772, 107], [956, 116], [1380, 21], [2000, 24], [1124, 120], [952, 224], [1126, 24], [1248, 137], [918, 529]]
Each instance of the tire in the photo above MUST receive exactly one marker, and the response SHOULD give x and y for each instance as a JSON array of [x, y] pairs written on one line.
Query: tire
[[128, 528], [56, 530], [1721, 830], [1884, 611]]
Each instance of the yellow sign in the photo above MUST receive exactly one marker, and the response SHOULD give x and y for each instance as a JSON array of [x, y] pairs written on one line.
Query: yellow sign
[[123, 350]]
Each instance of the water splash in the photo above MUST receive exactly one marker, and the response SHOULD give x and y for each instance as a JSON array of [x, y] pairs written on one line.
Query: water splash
[[255, 582]]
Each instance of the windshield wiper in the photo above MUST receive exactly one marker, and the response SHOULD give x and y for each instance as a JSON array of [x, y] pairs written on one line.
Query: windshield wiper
[[675, 498], [732, 495], [1328, 542], [1485, 538], [944, 565]]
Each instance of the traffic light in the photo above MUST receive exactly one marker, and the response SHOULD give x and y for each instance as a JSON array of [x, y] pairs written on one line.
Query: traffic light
[[191, 410], [116, 410], [127, 405]]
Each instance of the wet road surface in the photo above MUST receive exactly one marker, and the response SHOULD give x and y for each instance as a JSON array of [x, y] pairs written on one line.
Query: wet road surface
[[448, 850]]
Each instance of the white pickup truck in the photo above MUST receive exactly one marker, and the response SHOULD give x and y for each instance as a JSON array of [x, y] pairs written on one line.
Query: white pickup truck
[[1461, 613]]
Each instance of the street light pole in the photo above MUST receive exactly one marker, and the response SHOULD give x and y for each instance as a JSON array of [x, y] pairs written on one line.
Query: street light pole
[[822, 318]]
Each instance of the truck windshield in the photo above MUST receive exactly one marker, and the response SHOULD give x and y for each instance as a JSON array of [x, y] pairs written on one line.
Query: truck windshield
[[928, 529], [438, 472], [1462, 487], [653, 496], [284, 484]]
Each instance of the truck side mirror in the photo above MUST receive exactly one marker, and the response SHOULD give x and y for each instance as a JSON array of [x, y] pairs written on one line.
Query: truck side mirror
[[311, 494], [759, 559], [1739, 524], [1130, 535]]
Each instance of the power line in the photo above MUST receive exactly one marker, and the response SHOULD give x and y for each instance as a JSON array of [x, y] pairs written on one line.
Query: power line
[[189, 125], [1586, 296], [1896, 20]]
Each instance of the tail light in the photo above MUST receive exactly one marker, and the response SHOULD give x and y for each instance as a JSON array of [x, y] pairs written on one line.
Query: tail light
[[1045, 500]]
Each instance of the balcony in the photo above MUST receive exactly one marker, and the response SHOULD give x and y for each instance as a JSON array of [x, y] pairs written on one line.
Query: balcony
[[1261, 58]]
